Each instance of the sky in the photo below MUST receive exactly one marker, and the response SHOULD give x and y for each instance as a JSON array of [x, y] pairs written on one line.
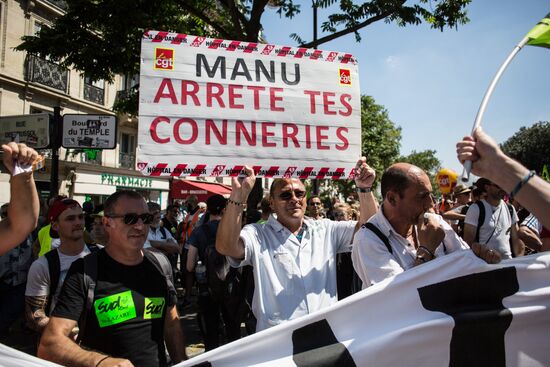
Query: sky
[[432, 82]]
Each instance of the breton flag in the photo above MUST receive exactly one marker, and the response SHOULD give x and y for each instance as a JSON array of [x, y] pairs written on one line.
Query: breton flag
[[540, 34], [454, 311]]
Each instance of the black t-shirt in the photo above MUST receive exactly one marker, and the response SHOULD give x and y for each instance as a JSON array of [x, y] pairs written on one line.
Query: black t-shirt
[[127, 316], [171, 227]]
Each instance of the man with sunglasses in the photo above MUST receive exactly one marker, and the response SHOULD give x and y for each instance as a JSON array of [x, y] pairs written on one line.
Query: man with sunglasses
[[131, 311], [493, 223], [293, 258], [48, 272]]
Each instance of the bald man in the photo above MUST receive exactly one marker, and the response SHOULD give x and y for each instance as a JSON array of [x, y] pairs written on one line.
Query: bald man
[[293, 258], [400, 236]]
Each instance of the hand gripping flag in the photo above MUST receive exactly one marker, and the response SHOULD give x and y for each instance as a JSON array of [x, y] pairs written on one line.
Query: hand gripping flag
[[538, 36]]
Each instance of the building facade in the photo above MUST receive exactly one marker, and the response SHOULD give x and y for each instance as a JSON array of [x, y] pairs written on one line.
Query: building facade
[[30, 84]]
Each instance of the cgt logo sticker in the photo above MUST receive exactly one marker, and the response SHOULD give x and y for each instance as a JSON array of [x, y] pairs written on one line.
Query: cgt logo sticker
[[345, 76], [164, 58]]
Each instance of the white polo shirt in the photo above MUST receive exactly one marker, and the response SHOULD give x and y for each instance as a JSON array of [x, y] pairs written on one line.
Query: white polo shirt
[[293, 278], [373, 262]]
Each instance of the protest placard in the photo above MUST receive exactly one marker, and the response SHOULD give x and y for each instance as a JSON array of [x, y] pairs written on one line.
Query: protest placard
[[207, 107]]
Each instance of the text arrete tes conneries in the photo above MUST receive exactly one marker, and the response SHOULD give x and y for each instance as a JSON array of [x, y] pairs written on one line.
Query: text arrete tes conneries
[[186, 130]]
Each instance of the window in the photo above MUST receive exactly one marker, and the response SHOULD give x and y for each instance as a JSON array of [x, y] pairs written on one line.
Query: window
[[127, 158], [128, 82], [94, 91], [127, 143]]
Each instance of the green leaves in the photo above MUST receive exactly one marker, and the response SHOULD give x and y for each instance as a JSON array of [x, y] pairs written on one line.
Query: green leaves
[[530, 146]]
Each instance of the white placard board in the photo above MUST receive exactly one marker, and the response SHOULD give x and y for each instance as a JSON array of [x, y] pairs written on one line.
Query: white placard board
[[210, 106]]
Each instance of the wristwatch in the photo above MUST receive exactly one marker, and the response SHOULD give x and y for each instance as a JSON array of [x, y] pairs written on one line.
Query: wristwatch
[[364, 189]]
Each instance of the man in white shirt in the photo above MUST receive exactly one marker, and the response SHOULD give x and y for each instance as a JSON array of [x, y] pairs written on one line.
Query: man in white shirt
[[498, 230], [67, 219], [293, 258], [400, 236]]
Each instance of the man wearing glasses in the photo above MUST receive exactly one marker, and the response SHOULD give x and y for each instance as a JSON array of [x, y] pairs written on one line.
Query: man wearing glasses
[[294, 258], [132, 312]]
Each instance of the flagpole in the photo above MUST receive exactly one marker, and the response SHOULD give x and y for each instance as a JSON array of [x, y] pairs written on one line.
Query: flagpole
[[468, 164]]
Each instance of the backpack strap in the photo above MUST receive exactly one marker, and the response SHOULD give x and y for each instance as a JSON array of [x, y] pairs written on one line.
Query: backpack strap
[[90, 279], [480, 219], [379, 234], [162, 232], [161, 263], [54, 270]]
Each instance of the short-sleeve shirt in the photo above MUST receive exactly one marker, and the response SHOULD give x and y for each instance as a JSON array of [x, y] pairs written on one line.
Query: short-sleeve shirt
[[496, 228], [14, 264], [127, 316], [373, 262], [200, 239], [533, 224], [293, 278], [38, 281], [157, 234]]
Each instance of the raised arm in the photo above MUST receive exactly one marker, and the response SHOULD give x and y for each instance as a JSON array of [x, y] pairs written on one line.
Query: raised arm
[[24, 205], [364, 179], [490, 162], [227, 239]]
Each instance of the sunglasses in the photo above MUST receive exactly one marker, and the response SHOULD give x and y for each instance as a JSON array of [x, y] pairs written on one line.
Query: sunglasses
[[287, 195], [132, 218]]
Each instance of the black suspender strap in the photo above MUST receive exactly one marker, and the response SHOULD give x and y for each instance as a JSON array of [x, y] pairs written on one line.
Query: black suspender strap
[[380, 235], [90, 279]]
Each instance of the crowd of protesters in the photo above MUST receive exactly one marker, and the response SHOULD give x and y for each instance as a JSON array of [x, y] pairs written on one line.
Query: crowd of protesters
[[97, 285]]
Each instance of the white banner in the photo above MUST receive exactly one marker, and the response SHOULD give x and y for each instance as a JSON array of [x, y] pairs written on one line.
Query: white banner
[[453, 311], [210, 106]]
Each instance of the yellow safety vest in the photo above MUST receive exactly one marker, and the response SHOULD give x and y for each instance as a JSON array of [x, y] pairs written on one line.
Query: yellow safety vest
[[45, 240]]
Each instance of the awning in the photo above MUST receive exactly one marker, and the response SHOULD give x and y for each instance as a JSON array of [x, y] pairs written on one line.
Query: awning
[[182, 189]]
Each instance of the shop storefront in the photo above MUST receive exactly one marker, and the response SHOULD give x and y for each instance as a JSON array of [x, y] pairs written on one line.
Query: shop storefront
[[182, 189]]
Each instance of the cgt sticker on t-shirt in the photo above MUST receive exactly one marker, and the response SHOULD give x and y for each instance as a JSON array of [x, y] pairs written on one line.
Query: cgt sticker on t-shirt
[[115, 309], [153, 308]]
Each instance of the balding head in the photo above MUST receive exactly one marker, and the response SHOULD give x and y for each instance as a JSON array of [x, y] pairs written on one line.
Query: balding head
[[398, 177]]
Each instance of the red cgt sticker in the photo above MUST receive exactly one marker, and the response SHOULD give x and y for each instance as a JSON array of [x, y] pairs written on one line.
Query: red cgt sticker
[[345, 76], [164, 58]]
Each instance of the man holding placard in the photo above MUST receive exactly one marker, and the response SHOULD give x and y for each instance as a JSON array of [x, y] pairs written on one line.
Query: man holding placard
[[294, 258]]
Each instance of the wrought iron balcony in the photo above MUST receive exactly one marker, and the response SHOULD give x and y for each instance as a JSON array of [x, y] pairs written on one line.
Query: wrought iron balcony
[[94, 94], [47, 73], [62, 4], [127, 160]]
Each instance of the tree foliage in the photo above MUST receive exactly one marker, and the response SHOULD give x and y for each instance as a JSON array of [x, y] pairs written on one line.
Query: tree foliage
[[102, 37], [428, 161], [530, 146], [380, 139]]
